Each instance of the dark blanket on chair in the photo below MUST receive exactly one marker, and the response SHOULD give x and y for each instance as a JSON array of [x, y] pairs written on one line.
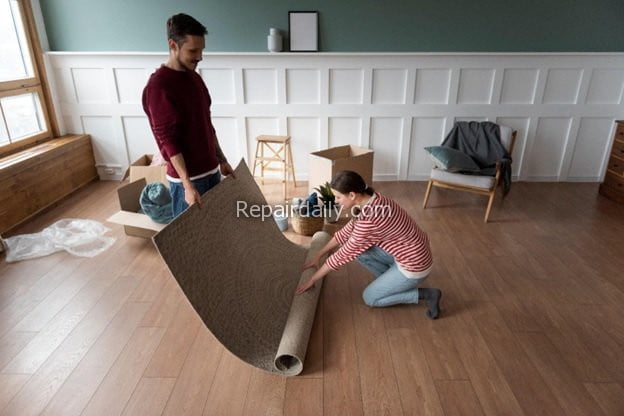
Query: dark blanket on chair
[[481, 141]]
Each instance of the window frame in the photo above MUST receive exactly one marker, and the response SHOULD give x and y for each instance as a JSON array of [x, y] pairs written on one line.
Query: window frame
[[37, 84]]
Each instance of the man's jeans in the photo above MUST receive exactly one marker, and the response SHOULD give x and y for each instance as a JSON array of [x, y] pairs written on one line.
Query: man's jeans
[[202, 185], [390, 286]]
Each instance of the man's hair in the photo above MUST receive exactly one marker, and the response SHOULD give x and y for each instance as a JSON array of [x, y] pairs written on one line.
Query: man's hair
[[179, 25]]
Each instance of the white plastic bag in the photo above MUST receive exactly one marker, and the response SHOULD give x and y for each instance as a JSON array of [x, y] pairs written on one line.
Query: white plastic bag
[[79, 237]]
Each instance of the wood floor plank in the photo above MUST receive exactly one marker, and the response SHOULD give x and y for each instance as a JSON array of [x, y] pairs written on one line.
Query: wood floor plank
[[42, 386], [266, 394], [195, 380], [12, 344], [341, 379], [458, 398], [378, 381], [561, 378], [229, 389], [172, 351], [10, 384], [60, 326], [165, 305], [304, 397], [116, 389], [149, 397], [609, 396], [529, 388], [78, 389]]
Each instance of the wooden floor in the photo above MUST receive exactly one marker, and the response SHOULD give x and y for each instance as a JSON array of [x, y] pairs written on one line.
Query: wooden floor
[[532, 322]]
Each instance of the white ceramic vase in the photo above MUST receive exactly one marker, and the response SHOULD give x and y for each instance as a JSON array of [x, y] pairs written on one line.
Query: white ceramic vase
[[274, 40]]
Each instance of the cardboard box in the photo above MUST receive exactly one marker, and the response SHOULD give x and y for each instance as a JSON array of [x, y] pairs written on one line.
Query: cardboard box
[[325, 164], [141, 168], [135, 224]]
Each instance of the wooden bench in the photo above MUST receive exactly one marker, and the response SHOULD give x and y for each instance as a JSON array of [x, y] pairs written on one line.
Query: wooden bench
[[38, 177]]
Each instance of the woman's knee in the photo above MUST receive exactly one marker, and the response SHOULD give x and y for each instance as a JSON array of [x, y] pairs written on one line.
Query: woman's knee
[[369, 297]]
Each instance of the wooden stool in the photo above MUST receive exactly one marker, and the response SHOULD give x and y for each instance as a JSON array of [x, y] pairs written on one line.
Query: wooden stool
[[280, 153]]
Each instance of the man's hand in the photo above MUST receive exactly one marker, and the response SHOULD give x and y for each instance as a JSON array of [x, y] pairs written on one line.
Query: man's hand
[[226, 169], [191, 196]]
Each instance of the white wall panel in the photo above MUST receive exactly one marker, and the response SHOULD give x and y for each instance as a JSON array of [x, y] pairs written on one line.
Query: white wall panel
[[260, 86], [386, 135], [475, 86], [303, 86], [139, 137], [345, 130], [606, 86], [562, 86], [346, 86], [90, 85], [305, 137], [547, 152], [129, 84], [389, 86], [220, 83], [432, 86], [258, 126], [227, 133], [592, 140], [519, 86], [426, 131]]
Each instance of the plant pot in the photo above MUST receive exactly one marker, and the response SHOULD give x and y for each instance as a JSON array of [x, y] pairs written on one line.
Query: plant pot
[[331, 214]]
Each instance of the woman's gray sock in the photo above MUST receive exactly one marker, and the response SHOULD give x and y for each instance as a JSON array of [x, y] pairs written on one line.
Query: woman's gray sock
[[432, 297]]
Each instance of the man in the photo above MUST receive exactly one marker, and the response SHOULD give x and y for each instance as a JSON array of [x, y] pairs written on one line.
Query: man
[[177, 104]]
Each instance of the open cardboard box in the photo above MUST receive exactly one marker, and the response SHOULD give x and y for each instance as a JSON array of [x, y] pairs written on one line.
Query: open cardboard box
[[141, 168], [325, 164], [135, 224]]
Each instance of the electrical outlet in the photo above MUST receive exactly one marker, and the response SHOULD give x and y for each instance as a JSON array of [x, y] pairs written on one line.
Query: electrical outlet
[[109, 171]]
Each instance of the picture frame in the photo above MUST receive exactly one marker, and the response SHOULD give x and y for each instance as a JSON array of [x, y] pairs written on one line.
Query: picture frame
[[303, 31]]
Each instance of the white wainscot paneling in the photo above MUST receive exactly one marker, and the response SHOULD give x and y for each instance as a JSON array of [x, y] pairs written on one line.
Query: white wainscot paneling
[[606, 86], [220, 83], [130, 83], [426, 131], [432, 86], [107, 150], [346, 86], [227, 132], [519, 86], [521, 125], [90, 85], [362, 99], [548, 146], [303, 86], [386, 133], [65, 85], [260, 86], [258, 126], [592, 139], [470, 118], [562, 86], [305, 139], [475, 86], [389, 86], [345, 130], [139, 137]]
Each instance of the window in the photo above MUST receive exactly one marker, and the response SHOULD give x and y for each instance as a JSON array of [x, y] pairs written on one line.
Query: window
[[24, 113]]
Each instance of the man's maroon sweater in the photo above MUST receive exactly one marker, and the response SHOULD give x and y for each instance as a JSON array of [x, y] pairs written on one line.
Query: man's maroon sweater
[[177, 104]]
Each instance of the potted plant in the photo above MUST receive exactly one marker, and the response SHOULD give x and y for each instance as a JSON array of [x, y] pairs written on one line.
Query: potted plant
[[329, 202]]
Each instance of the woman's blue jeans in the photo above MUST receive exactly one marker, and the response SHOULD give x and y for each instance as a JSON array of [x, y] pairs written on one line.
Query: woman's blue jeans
[[390, 286], [202, 185]]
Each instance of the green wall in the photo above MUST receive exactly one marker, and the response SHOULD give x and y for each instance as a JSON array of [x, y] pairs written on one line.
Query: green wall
[[346, 25]]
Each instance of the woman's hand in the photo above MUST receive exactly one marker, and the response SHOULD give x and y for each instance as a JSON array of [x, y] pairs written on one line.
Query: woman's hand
[[313, 262], [305, 286]]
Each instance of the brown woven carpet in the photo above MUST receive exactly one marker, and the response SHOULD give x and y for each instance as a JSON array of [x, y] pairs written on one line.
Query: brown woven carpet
[[240, 275]]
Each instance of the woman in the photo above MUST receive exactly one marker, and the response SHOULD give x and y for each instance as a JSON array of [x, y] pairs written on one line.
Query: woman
[[386, 240]]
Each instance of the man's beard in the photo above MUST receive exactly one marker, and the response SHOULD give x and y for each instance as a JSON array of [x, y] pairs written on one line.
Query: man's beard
[[184, 66]]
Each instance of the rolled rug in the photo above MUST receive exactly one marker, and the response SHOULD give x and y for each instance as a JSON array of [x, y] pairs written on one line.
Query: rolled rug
[[239, 272]]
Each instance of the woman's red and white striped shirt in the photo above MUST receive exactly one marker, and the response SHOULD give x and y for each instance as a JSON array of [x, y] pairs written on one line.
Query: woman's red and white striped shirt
[[383, 223]]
